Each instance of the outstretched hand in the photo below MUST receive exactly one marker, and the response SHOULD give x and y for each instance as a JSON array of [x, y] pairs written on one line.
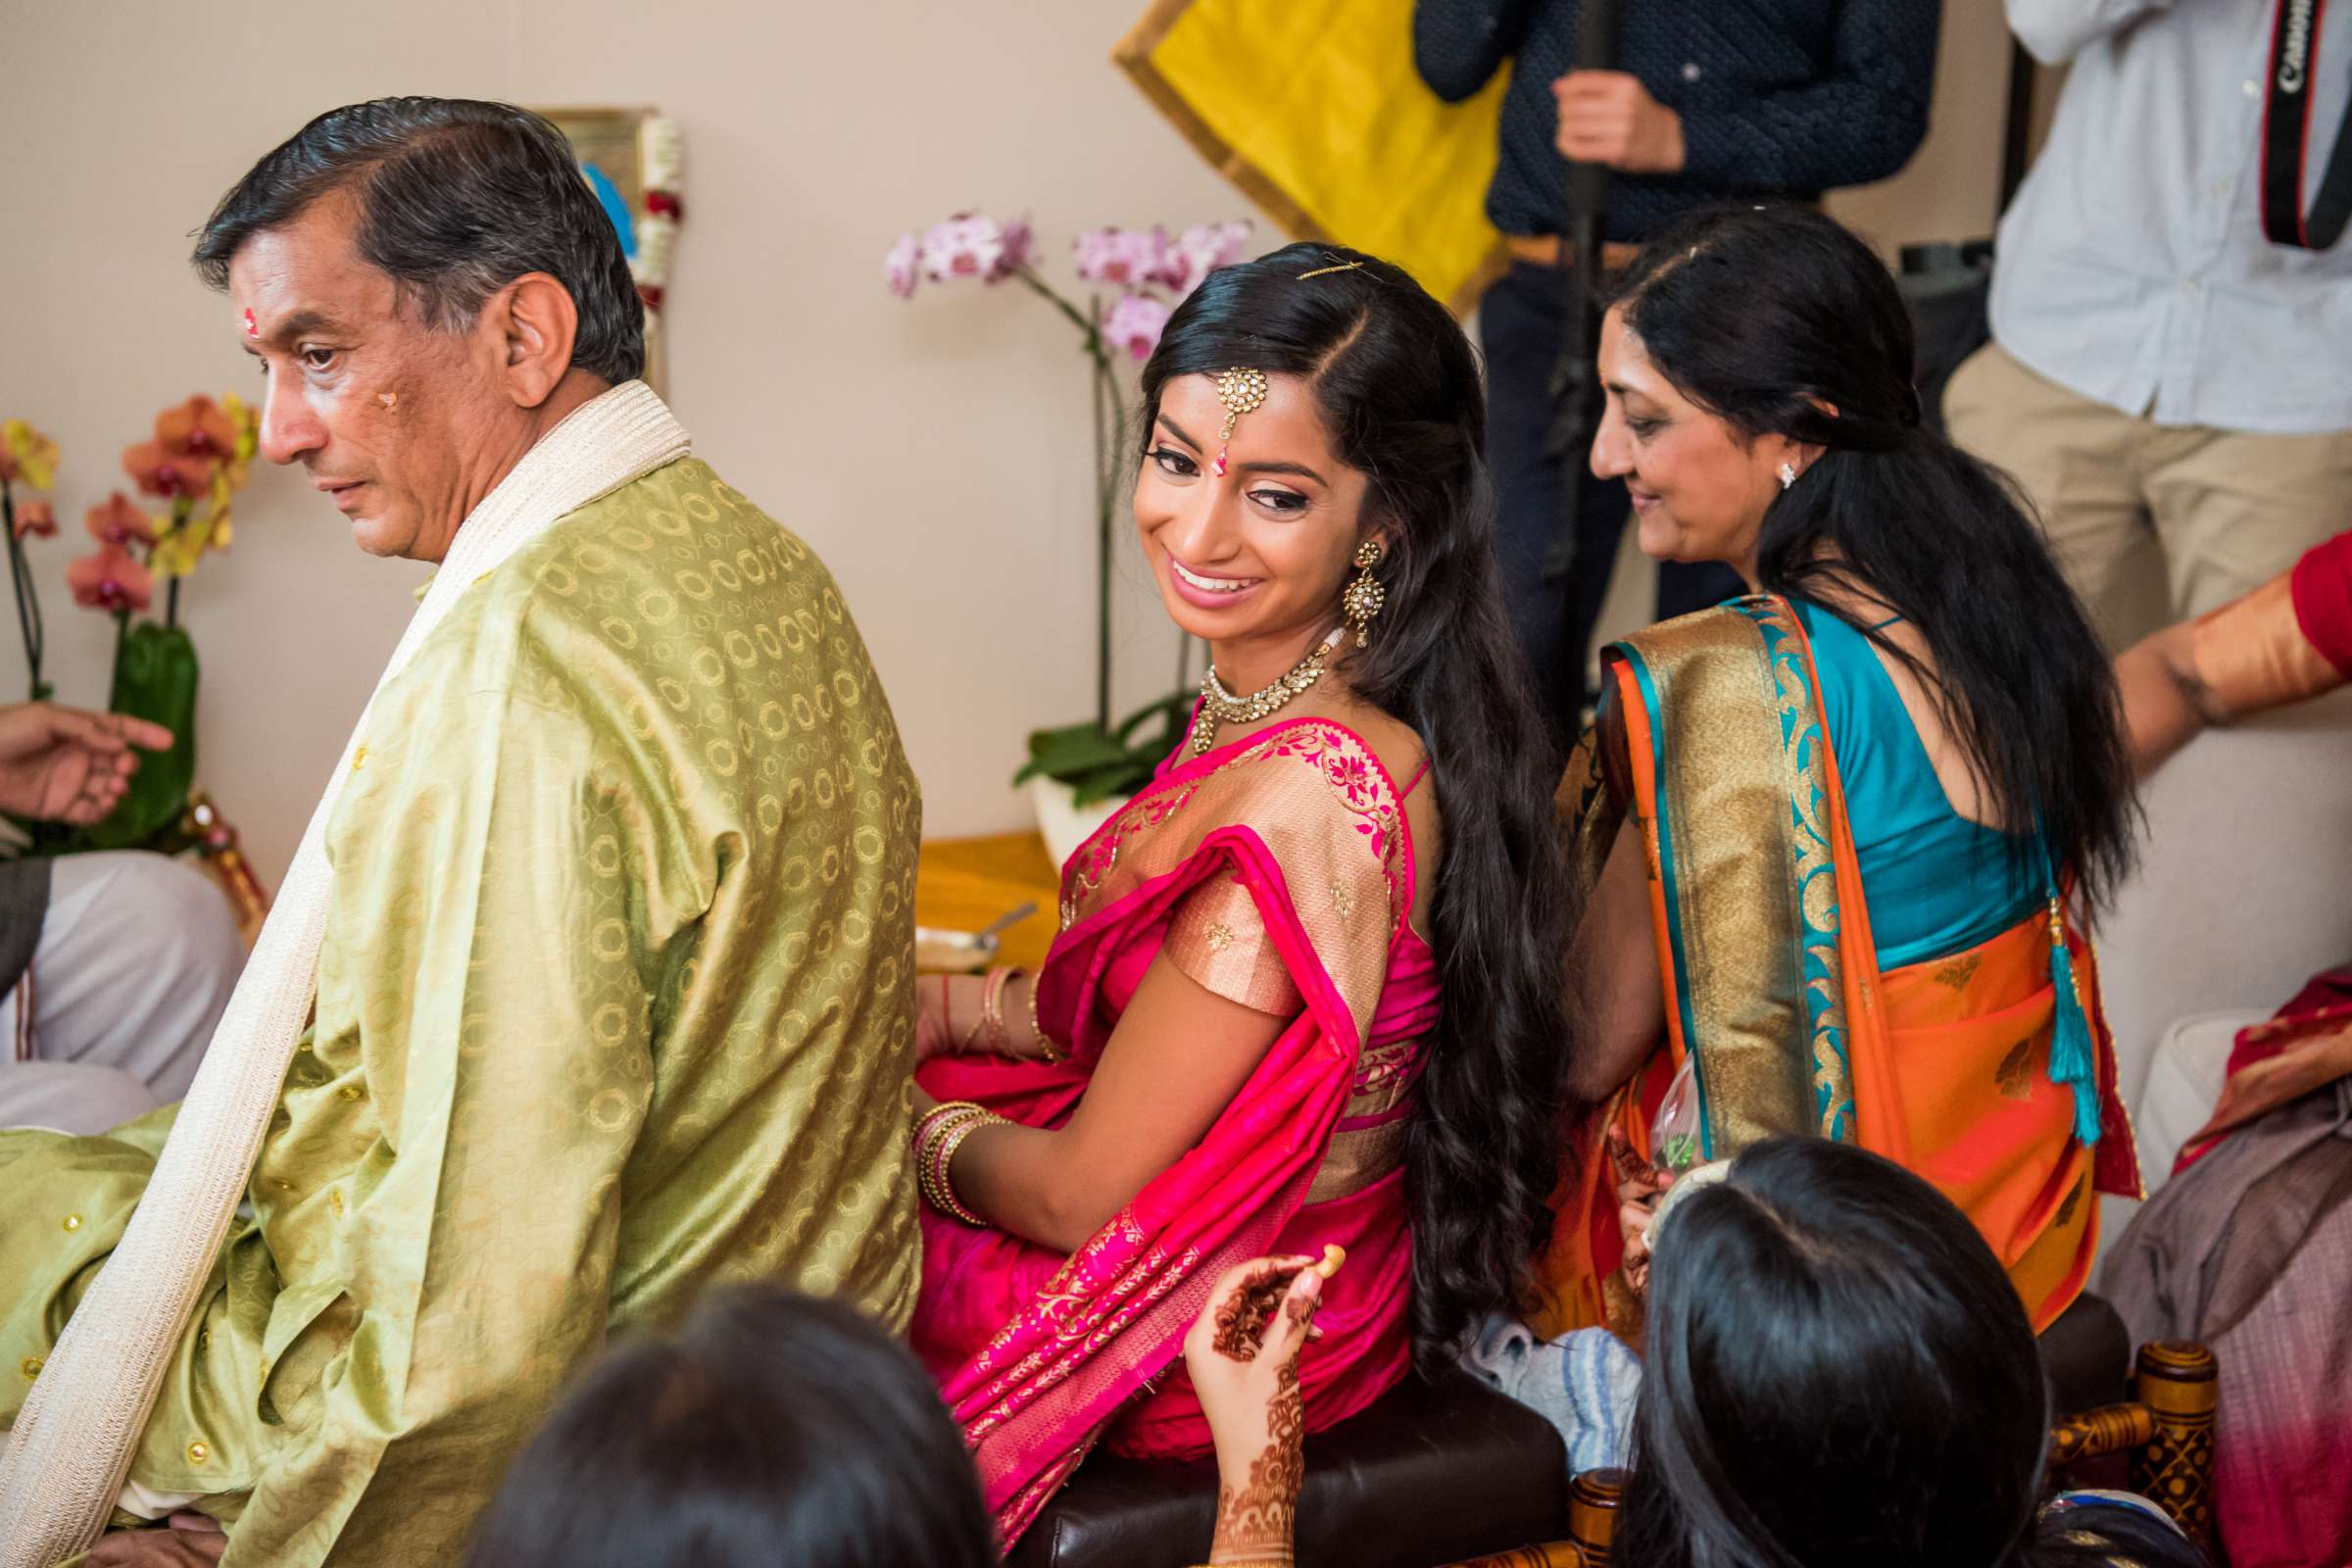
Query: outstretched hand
[[65, 764], [1243, 1356]]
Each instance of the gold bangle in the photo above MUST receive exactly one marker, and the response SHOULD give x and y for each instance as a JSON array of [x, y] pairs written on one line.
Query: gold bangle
[[1045, 1051], [991, 1009], [927, 1168], [946, 1112], [970, 1037], [938, 1136], [949, 1142]]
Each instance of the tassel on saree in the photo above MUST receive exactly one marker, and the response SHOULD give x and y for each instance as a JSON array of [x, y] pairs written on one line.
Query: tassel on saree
[[2074, 1060]]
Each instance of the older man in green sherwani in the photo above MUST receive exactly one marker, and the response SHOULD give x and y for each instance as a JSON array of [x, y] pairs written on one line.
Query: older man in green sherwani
[[614, 993]]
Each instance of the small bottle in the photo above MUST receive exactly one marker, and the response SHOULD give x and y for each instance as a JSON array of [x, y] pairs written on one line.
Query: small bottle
[[1675, 1136]]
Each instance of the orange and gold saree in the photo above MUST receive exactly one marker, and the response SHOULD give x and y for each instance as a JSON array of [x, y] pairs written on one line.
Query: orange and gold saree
[[1772, 979]]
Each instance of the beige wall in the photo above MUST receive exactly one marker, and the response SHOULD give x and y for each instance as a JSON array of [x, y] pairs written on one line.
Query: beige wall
[[934, 453]]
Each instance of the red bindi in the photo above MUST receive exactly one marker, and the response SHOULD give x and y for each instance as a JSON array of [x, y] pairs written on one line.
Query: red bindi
[[252, 327]]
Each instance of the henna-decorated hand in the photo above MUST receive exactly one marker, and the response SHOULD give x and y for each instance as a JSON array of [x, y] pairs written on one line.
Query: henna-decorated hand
[[1243, 1354], [1638, 1189]]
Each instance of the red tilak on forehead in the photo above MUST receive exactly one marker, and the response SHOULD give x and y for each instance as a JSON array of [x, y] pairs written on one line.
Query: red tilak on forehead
[[252, 327]]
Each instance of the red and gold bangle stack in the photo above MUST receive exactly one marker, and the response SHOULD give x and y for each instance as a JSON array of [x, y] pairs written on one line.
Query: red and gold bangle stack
[[941, 1132]]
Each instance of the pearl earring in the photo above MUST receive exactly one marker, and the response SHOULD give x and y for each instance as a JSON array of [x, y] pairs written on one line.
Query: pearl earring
[[1787, 474]]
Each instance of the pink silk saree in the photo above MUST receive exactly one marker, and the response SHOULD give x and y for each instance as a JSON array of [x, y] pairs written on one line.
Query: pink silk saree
[[1278, 872]]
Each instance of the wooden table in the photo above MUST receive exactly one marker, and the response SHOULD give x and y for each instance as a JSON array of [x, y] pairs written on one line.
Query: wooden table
[[964, 884]]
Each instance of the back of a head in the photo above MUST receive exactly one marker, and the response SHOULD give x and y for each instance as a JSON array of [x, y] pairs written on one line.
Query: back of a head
[[1838, 1372], [455, 198], [772, 1429]]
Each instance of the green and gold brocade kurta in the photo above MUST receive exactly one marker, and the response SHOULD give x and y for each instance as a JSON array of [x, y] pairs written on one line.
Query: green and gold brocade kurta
[[617, 1000]]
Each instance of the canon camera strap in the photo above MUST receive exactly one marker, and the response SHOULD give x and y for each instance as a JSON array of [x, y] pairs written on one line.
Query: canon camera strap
[[2286, 137]]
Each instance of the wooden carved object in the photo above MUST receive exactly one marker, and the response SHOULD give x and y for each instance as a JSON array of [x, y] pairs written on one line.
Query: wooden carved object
[[1592, 1499], [2095, 1434], [2180, 1384]]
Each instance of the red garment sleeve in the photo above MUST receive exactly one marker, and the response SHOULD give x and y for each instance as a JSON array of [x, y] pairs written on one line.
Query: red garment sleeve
[[2322, 593]]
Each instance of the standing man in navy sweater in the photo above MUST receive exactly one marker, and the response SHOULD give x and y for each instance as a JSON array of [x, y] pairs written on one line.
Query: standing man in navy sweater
[[1716, 101]]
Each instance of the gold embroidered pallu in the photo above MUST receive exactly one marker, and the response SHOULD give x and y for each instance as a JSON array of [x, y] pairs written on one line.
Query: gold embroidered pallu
[[1771, 975]]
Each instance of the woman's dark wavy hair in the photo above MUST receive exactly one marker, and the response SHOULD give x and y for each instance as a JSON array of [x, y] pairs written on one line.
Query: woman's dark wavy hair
[[1838, 1372], [773, 1428], [1762, 316], [1399, 390]]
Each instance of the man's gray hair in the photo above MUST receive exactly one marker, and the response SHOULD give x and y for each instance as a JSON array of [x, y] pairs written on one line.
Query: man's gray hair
[[457, 199]]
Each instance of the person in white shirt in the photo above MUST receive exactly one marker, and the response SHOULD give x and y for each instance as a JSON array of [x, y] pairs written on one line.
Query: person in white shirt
[[2161, 373], [113, 966]]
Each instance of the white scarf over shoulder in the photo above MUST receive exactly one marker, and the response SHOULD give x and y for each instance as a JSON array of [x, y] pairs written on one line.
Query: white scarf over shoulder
[[72, 1443]]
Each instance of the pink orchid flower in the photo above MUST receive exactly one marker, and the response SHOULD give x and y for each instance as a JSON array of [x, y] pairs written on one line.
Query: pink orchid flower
[[118, 522], [1129, 257], [1015, 254], [109, 580], [1201, 249], [967, 245], [1134, 323], [36, 515], [899, 266]]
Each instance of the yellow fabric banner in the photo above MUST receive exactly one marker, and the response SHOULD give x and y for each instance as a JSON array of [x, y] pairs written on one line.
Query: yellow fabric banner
[[1313, 108]]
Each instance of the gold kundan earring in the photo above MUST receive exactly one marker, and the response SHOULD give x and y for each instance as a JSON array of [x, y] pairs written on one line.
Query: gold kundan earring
[[1365, 595]]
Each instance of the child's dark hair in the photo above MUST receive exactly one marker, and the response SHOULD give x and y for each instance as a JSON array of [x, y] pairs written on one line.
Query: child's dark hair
[[772, 1429]]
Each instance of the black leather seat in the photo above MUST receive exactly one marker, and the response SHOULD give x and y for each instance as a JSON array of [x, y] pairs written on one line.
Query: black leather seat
[[1433, 1472], [2086, 1357]]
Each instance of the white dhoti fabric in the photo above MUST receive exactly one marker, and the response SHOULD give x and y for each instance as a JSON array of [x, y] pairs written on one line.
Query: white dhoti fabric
[[136, 959]]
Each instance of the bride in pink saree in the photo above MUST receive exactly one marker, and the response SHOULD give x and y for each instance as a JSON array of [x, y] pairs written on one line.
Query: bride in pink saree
[[1244, 1041]]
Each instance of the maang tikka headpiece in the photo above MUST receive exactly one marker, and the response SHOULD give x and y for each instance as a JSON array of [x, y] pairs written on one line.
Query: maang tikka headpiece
[[1242, 392]]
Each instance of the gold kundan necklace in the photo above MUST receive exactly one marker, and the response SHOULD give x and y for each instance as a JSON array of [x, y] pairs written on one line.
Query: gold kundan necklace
[[1220, 707]]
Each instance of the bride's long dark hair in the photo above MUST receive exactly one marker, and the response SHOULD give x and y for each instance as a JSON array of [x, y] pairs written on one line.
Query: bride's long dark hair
[[1399, 390]]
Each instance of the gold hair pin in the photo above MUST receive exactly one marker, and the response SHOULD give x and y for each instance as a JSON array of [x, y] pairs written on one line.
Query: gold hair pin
[[1242, 391], [1344, 267]]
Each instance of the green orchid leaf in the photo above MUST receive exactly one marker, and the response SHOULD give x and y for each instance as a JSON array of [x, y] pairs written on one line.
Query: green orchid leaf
[[1067, 754], [1109, 782]]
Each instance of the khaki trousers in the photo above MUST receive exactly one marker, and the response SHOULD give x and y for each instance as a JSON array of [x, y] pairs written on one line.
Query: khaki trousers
[[2151, 524]]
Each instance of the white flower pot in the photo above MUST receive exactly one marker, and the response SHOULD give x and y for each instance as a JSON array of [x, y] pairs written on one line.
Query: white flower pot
[[1062, 822]]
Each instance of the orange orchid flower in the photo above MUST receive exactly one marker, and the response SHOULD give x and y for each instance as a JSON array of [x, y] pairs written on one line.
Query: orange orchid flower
[[36, 515], [159, 470], [118, 522], [197, 428], [109, 580]]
